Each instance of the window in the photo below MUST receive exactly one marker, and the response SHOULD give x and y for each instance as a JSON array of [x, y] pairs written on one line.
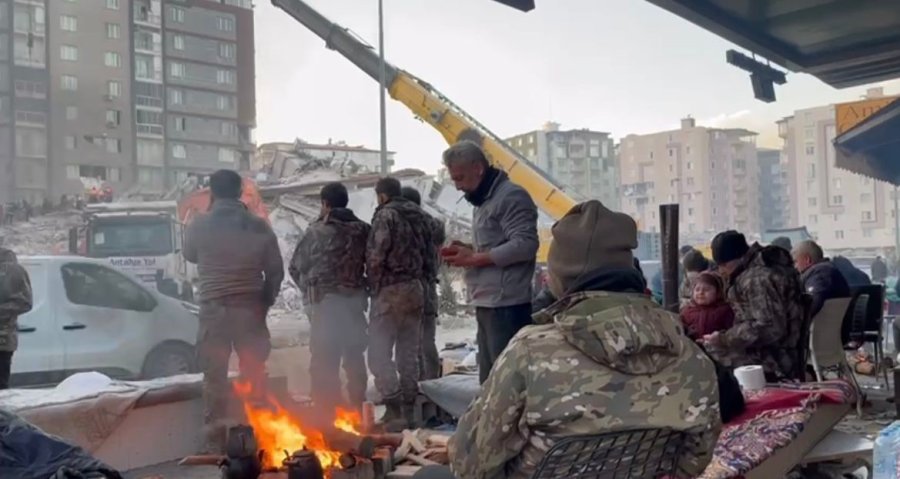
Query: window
[[113, 117], [180, 123], [112, 59], [177, 14], [690, 165], [98, 286], [811, 170], [68, 23], [114, 174], [30, 89], [176, 69], [223, 102], [142, 66], [865, 197], [68, 53], [812, 202], [71, 142], [178, 42], [112, 4], [226, 50], [229, 129], [690, 212], [226, 24], [71, 113], [839, 234], [113, 31], [813, 219], [151, 177], [113, 145], [113, 89], [68, 82], [179, 151], [150, 152], [837, 199], [72, 172], [837, 183], [867, 216], [226, 155], [810, 150], [176, 97], [687, 150], [671, 153], [225, 77], [867, 232], [690, 181]]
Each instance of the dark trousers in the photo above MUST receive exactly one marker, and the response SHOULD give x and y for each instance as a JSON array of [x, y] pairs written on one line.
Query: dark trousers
[[338, 338], [496, 326], [5, 367]]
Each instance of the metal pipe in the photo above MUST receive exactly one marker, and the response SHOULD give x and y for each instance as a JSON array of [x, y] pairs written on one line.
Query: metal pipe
[[385, 168], [668, 227]]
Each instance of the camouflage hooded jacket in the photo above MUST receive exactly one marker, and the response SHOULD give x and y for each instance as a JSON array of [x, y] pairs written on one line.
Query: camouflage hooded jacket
[[397, 244], [767, 297], [331, 256], [15, 298], [607, 362]]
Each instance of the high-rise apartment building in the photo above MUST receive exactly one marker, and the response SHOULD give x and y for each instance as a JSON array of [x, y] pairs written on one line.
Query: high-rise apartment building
[[842, 209], [710, 172], [774, 201], [143, 92], [582, 161], [24, 100]]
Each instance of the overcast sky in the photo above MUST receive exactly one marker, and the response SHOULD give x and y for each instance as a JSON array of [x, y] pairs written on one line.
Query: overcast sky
[[621, 66]]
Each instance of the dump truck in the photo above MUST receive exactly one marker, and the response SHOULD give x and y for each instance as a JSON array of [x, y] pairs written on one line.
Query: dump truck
[[145, 238]]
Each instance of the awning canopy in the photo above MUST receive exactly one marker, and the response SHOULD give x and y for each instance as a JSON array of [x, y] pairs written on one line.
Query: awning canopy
[[872, 147], [524, 5], [842, 42]]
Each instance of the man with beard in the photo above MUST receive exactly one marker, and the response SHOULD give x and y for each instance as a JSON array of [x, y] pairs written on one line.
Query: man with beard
[[329, 267], [500, 262], [395, 265]]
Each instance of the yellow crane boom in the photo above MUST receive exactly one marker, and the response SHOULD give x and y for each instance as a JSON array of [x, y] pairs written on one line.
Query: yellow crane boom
[[427, 103]]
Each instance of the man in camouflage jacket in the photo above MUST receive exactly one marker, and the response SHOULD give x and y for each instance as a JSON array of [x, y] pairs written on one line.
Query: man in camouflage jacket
[[603, 359], [395, 266], [766, 294], [15, 300], [329, 267], [429, 360]]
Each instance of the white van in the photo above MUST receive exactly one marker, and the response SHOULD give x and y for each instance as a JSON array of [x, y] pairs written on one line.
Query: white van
[[88, 316]]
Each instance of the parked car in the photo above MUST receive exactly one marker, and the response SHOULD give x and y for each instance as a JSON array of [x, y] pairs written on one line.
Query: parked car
[[88, 316]]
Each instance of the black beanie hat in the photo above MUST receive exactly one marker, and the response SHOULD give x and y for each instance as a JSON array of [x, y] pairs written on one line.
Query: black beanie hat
[[729, 246]]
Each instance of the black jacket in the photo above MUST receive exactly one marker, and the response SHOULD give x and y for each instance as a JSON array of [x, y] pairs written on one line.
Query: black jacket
[[823, 281]]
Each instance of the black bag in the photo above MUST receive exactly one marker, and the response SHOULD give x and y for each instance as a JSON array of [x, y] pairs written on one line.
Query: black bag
[[731, 398]]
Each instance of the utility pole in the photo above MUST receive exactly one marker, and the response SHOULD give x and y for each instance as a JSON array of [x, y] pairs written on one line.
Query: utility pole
[[385, 168]]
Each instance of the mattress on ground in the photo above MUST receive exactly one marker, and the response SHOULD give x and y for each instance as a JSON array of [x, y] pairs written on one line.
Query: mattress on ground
[[452, 393]]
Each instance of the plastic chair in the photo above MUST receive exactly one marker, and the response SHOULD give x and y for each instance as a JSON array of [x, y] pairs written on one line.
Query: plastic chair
[[867, 322], [826, 348], [636, 454], [803, 344]]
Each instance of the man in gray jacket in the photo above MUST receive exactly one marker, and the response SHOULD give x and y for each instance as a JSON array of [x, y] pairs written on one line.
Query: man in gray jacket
[[240, 269], [500, 264]]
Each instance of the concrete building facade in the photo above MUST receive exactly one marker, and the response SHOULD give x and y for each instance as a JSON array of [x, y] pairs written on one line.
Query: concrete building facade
[[774, 201], [143, 93], [711, 173], [582, 161], [24, 100], [843, 210]]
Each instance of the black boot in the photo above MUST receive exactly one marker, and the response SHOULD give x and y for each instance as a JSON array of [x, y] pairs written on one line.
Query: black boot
[[393, 421]]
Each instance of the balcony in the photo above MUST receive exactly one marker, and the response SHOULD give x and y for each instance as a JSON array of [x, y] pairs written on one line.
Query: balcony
[[156, 131], [145, 17], [30, 28], [31, 118], [149, 102], [143, 45], [637, 190]]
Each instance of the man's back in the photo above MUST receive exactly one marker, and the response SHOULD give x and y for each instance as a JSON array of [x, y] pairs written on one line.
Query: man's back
[[610, 362], [823, 281], [331, 256], [397, 244], [236, 253]]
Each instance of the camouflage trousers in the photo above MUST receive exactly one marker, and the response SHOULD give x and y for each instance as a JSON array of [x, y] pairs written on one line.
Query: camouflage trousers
[[395, 325], [429, 359], [227, 325], [338, 336]]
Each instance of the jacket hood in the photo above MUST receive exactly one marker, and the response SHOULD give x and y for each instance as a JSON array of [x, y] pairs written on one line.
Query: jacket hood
[[624, 332], [7, 256]]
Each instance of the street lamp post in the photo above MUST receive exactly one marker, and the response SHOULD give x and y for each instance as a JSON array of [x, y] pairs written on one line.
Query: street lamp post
[[385, 168]]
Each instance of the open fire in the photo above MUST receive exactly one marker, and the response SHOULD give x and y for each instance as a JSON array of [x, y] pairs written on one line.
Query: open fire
[[277, 430]]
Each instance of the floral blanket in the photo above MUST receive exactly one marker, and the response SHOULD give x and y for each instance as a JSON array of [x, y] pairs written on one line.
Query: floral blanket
[[774, 417]]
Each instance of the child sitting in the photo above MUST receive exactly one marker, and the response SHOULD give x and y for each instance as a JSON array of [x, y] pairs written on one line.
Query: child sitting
[[707, 312]]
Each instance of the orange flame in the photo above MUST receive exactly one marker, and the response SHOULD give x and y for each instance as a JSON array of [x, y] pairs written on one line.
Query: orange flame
[[276, 431], [348, 421]]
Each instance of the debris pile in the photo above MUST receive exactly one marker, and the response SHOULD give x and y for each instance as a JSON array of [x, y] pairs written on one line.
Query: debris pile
[[41, 235]]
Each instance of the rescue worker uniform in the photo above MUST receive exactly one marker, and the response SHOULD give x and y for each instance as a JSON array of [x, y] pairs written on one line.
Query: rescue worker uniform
[[240, 273], [329, 266], [15, 300], [395, 269]]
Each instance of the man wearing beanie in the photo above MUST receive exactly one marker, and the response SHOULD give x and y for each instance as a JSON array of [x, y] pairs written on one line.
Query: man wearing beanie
[[604, 358], [766, 294]]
